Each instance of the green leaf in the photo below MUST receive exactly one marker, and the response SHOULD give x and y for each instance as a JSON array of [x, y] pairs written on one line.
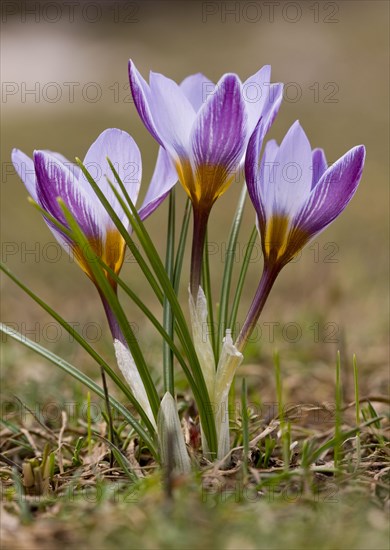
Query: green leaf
[[206, 282], [80, 340], [241, 279], [181, 246], [112, 299], [245, 424], [84, 379], [228, 270], [199, 389], [168, 321]]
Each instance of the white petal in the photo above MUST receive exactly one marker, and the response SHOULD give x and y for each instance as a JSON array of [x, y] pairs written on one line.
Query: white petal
[[200, 333], [130, 373], [172, 444]]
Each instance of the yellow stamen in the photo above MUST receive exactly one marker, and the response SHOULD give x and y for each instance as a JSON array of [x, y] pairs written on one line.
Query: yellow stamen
[[207, 185], [112, 253], [275, 240], [281, 242]]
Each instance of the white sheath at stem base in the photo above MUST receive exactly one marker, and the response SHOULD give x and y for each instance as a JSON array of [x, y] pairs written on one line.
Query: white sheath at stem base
[[218, 379], [172, 445], [130, 373]]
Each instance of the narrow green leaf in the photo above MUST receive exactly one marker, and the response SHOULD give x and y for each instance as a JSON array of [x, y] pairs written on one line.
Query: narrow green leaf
[[84, 344], [168, 321], [245, 425], [241, 279], [112, 299], [338, 417], [206, 283], [84, 379], [228, 270], [181, 246], [200, 390]]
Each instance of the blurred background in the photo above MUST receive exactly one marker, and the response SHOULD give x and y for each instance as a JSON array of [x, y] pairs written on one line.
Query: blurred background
[[64, 80]]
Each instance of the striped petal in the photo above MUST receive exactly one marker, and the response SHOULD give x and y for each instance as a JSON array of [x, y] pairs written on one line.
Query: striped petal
[[332, 193], [218, 142], [164, 109], [163, 179], [54, 180], [143, 100], [255, 92], [319, 166]]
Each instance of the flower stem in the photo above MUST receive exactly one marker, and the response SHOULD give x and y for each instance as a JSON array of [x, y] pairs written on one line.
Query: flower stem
[[266, 283], [116, 334], [198, 240]]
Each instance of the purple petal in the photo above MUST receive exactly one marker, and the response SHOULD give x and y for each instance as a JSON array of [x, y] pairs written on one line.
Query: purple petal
[[218, 138], [333, 192], [142, 100], [124, 154], [272, 106], [252, 171], [25, 169], [255, 92], [163, 179], [70, 165], [197, 88], [55, 180], [319, 166]]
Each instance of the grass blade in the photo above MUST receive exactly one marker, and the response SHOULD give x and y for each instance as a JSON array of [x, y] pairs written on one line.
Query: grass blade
[[241, 279], [207, 290], [200, 391], [84, 344], [181, 246], [245, 425], [168, 321], [84, 379], [228, 270], [112, 299]]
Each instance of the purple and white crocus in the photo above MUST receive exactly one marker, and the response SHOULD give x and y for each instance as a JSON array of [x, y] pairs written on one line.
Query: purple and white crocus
[[205, 129], [295, 196], [49, 176]]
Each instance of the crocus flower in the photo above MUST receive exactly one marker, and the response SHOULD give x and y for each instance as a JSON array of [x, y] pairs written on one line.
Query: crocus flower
[[50, 176], [205, 129], [295, 197]]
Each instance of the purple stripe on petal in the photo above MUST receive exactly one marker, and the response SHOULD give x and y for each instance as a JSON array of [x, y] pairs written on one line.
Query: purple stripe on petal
[[255, 93], [197, 88], [252, 172], [163, 179], [319, 166], [55, 180], [219, 135], [333, 192], [272, 106], [143, 100]]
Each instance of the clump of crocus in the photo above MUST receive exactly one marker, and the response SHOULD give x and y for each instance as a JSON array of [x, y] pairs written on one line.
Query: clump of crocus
[[295, 197], [205, 130]]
